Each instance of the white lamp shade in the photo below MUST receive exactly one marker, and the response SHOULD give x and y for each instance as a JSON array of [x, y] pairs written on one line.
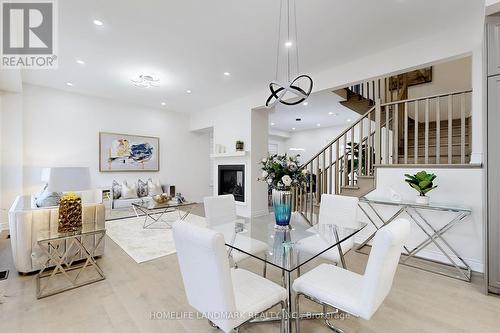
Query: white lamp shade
[[65, 179]]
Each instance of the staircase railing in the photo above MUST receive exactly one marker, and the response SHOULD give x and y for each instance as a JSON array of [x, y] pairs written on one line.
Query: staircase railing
[[373, 140]]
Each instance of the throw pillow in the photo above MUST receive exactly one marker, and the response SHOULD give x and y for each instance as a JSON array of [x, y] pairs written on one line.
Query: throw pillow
[[117, 190], [154, 188], [129, 191], [48, 199], [142, 189]]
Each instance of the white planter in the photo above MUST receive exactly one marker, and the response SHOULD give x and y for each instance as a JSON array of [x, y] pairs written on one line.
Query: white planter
[[422, 200]]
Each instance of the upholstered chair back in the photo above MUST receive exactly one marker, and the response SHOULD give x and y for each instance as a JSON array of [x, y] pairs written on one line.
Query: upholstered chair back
[[382, 264], [205, 271], [339, 210], [220, 209]]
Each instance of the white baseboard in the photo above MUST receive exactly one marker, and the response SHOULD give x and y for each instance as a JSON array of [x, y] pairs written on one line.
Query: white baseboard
[[475, 265]]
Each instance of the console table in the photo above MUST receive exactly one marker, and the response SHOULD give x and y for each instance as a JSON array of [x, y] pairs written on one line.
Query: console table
[[460, 269]]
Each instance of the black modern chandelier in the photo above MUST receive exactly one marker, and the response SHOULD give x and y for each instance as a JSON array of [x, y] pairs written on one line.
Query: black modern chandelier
[[289, 91]]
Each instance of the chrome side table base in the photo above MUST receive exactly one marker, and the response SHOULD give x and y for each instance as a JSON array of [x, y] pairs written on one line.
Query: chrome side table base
[[434, 236], [151, 218], [64, 263]]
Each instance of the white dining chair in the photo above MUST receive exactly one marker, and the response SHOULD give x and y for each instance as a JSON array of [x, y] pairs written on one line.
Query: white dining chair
[[334, 210], [227, 297], [221, 210], [349, 292]]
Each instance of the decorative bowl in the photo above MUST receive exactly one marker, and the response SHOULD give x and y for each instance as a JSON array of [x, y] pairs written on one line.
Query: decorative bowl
[[161, 198]]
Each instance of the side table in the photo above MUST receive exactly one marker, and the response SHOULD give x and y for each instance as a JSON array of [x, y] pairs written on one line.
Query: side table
[[69, 273]]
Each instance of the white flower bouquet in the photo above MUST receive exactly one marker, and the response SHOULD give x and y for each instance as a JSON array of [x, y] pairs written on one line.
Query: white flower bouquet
[[282, 172]]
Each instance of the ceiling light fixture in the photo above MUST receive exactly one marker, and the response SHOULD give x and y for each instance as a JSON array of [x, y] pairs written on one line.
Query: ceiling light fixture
[[146, 81], [293, 128], [69, 84], [289, 85], [318, 124], [163, 103], [272, 124], [80, 62], [227, 73], [349, 120], [305, 104], [97, 22], [188, 91], [330, 113]]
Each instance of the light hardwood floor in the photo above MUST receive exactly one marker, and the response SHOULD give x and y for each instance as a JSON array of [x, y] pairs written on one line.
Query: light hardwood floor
[[419, 301]]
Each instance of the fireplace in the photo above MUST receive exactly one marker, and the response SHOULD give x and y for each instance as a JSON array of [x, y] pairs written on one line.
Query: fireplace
[[231, 180]]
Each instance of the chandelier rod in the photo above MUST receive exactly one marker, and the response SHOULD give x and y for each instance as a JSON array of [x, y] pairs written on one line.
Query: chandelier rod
[[288, 37], [296, 35], [279, 42]]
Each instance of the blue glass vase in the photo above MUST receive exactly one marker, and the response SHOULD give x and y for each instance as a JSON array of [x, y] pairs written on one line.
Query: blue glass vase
[[282, 205]]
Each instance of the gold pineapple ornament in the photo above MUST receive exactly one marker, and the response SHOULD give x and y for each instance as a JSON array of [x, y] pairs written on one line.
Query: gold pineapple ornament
[[70, 213]]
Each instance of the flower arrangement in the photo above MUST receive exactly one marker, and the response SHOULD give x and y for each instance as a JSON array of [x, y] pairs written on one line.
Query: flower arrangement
[[282, 172]]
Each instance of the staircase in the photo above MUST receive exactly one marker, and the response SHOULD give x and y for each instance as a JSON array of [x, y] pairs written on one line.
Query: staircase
[[427, 131]]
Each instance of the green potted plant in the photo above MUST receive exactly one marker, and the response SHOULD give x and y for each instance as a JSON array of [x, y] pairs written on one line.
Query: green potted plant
[[423, 183], [240, 146]]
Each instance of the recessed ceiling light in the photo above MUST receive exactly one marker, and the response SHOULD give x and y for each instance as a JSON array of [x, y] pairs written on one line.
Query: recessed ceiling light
[[349, 120], [227, 73], [330, 113], [293, 128], [69, 84], [188, 91], [305, 103], [81, 62], [288, 43], [97, 22], [163, 103], [318, 124], [272, 124]]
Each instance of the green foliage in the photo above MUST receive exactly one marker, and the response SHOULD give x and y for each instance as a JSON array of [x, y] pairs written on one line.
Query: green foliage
[[421, 181]]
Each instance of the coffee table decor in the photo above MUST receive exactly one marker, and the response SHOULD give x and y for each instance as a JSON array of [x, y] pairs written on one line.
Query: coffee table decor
[[282, 173]]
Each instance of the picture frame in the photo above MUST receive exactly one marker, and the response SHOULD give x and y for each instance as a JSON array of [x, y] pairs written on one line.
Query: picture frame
[[120, 152]]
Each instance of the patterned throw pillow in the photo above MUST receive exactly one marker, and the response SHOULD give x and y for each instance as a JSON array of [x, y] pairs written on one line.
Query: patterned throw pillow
[[48, 199], [117, 190], [142, 189], [129, 191], [154, 188]]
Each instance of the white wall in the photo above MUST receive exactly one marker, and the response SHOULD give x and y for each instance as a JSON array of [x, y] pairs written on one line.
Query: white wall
[[62, 129], [456, 188], [11, 150]]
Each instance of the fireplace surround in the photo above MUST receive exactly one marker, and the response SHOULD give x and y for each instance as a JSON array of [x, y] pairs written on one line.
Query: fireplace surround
[[231, 180]]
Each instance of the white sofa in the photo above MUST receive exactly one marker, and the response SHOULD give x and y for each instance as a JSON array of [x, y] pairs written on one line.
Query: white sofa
[[127, 203], [25, 222]]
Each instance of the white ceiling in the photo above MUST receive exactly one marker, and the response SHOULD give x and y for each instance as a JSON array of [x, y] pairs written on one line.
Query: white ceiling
[[189, 44], [317, 111]]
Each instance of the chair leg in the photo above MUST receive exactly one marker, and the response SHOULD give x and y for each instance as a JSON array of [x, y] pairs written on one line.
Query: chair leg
[[297, 314], [328, 323], [282, 322], [264, 273]]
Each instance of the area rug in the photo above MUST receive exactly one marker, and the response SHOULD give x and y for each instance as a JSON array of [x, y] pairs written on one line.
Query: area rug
[[145, 244]]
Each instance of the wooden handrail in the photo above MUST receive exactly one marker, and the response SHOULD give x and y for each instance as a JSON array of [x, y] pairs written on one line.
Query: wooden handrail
[[427, 97]]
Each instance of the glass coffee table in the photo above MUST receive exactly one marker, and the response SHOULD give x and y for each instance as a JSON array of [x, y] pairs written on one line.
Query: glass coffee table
[[154, 212], [283, 250]]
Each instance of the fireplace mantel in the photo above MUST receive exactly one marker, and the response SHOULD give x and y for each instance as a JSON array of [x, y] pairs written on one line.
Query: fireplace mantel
[[231, 154]]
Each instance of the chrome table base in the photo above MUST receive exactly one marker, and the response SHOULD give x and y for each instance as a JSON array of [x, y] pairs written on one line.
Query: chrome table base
[[434, 236], [65, 263]]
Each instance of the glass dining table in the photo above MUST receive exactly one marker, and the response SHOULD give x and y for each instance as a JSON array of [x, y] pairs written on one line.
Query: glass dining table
[[283, 245]]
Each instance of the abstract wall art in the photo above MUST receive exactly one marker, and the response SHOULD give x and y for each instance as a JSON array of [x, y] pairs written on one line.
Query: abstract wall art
[[124, 152]]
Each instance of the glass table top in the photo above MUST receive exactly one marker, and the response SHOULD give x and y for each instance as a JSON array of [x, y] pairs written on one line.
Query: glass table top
[[258, 238], [53, 234], [151, 204], [430, 206]]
